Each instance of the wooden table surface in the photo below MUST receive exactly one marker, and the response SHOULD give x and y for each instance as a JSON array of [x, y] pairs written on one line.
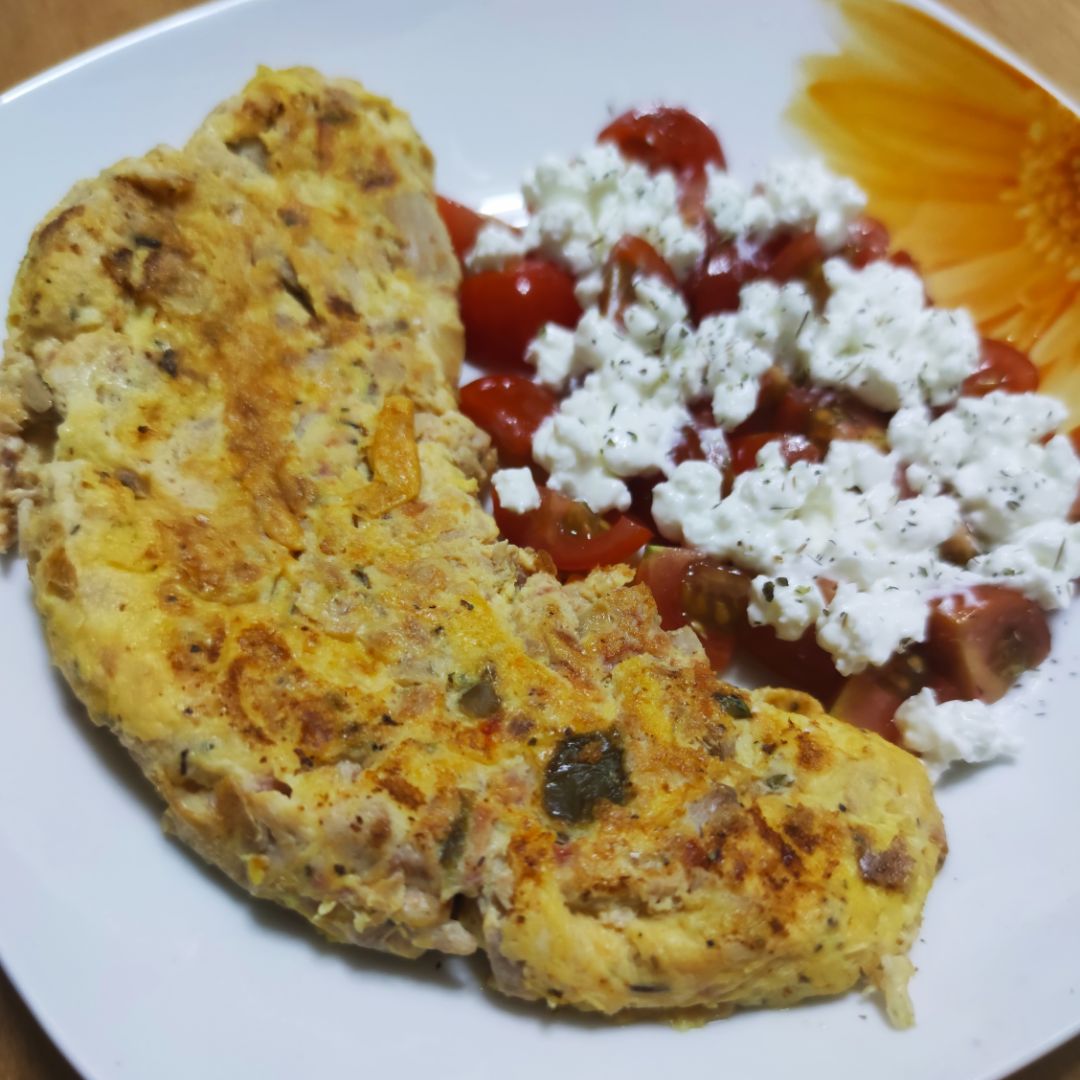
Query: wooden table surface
[[37, 33]]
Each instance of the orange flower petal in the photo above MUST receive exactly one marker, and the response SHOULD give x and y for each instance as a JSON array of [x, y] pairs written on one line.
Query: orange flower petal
[[943, 138]]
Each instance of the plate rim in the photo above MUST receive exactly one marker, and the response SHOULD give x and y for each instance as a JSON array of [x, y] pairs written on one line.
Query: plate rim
[[936, 9]]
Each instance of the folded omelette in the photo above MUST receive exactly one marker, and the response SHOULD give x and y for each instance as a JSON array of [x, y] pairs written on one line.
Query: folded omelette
[[250, 508]]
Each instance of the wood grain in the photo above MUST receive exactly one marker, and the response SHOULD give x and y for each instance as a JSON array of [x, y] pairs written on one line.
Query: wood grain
[[1045, 33], [35, 34]]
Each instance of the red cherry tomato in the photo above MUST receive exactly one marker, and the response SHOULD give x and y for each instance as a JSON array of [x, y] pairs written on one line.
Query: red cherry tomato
[[802, 664], [503, 310], [799, 256], [868, 702], [867, 242], [823, 415], [693, 589], [693, 189], [774, 388], [870, 699], [574, 537], [794, 447], [1001, 367], [983, 639], [509, 408], [906, 260], [630, 259], [461, 223], [1074, 438], [714, 286], [662, 137], [662, 569]]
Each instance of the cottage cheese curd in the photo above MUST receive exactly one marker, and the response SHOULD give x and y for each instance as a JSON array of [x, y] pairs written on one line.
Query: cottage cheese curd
[[879, 339], [951, 731], [800, 193], [517, 490]]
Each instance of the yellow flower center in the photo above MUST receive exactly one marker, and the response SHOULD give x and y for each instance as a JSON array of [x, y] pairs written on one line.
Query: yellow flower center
[[1047, 194]]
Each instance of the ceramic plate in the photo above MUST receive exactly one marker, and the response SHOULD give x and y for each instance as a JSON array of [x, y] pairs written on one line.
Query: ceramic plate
[[144, 964]]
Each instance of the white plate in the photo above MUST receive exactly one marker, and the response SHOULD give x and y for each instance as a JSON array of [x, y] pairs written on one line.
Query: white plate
[[145, 965]]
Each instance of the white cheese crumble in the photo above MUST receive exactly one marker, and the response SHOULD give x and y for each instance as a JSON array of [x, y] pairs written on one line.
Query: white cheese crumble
[[627, 415], [879, 339], [580, 208], [496, 244], [949, 731], [797, 194], [517, 490]]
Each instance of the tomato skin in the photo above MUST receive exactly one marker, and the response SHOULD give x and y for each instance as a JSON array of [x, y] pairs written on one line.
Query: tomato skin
[[574, 537], [800, 256], [870, 699], [509, 408], [983, 639], [461, 223], [823, 415], [1074, 438], [714, 286], [1001, 367], [692, 589], [662, 137], [867, 241], [867, 702], [793, 447], [801, 664], [630, 259], [906, 261], [503, 310], [663, 570]]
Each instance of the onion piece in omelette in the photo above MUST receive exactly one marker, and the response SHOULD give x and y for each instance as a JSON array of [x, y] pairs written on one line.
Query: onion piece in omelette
[[233, 459]]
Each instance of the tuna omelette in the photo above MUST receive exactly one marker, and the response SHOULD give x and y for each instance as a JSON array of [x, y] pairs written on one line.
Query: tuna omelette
[[233, 459]]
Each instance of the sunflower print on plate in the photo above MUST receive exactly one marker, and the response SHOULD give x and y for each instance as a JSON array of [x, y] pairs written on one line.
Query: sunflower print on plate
[[974, 168]]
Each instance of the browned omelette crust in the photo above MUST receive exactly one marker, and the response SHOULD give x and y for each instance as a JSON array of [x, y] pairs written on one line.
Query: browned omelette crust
[[250, 511]]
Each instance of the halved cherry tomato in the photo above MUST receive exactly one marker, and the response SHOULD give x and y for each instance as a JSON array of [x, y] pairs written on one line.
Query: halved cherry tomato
[[867, 702], [503, 310], [575, 537], [693, 190], [983, 639], [793, 447], [1074, 438], [799, 256], [867, 242], [693, 589], [509, 408], [823, 415], [663, 569], [906, 260], [1001, 367], [802, 664], [461, 223], [662, 137], [773, 389], [714, 286], [870, 699], [630, 259]]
